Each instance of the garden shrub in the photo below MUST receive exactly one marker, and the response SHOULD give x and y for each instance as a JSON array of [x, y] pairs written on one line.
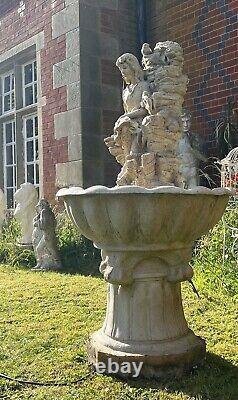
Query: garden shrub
[[10, 252], [76, 250]]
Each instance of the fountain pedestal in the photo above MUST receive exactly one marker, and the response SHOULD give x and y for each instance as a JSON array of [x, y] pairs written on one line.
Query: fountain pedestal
[[146, 237], [145, 320]]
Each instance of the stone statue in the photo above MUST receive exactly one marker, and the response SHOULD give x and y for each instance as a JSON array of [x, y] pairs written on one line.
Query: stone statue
[[189, 150], [44, 239], [2, 210], [26, 198], [146, 137]]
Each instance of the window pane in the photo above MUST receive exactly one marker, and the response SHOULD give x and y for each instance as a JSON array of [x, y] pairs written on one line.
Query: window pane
[[29, 151], [9, 158], [29, 95], [7, 104], [8, 128], [35, 71], [36, 155], [13, 100], [28, 73], [9, 172], [10, 201], [36, 126], [30, 173], [7, 84], [29, 128], [35, 86], [37, 175]]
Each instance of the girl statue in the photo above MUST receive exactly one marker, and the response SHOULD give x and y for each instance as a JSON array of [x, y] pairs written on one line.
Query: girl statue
[[126, 143]]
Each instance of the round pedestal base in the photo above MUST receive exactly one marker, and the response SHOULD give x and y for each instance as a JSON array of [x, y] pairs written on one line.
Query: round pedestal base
[[153, 359]]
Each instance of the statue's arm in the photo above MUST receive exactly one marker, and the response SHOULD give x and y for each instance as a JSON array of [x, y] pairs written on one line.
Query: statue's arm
[[199, 155], [138, 113]]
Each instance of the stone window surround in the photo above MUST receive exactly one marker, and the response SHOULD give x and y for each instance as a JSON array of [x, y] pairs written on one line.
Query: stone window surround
[[13, 59], [33, 139], [11, 92]]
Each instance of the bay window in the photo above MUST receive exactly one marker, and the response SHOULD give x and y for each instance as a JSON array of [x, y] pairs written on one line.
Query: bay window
[[19, 156]]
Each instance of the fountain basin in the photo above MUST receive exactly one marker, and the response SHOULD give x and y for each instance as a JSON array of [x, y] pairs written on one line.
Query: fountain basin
[[146, 237]]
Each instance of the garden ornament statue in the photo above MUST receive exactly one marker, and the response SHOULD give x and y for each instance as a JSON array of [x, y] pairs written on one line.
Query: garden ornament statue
[[44, 239], [2, 210], [147, 225], [190, 153], [26, 198]]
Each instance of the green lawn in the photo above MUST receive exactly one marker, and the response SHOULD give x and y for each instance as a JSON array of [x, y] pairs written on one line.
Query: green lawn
[[45, 321]]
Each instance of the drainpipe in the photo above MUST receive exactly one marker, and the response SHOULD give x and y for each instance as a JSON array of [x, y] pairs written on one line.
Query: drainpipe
[[141, 25]]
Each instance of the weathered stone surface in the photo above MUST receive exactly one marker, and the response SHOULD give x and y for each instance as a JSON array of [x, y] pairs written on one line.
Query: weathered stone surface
[[69, 174], [73, 95], [75, 147], [67, 123], [68, 2], [65, 20], [72, 43], [66, 72], [26, 199]]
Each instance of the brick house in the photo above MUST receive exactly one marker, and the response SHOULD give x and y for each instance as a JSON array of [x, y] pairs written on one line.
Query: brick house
[[60, 92]]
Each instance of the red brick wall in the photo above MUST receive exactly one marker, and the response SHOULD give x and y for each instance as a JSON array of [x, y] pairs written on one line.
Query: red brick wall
[[6, 6], [208, 33], [37, 17]]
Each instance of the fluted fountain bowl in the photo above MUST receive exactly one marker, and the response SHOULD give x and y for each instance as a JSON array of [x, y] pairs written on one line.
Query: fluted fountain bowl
[[146, 237], [137, 217]]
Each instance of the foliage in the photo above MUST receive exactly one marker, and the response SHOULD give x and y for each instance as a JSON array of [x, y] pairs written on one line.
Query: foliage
[[226, 129], [76, 250], [10, 252], [215, 256]]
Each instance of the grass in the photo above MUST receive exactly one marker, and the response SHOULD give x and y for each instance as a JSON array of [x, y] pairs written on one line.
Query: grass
[[45, 321]]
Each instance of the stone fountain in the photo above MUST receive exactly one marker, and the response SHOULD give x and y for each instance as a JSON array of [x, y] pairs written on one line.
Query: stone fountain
[[147, 225]]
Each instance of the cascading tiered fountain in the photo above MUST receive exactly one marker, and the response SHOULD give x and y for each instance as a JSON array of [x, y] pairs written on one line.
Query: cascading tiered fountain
[[147, 225]]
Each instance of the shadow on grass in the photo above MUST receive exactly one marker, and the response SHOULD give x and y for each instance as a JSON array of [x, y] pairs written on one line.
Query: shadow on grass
[[215, 380]]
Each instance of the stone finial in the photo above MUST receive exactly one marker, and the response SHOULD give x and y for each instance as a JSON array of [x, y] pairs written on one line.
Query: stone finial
[[2, 210], [44, 239], [26, 198]]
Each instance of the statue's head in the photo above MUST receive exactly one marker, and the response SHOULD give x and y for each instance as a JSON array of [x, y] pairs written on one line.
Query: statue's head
[[186, 119], [26, 194], [42, 205], [130, 68]]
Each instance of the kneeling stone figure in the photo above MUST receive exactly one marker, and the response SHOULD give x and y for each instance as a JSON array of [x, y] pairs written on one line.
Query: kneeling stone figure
[[44, 239]]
